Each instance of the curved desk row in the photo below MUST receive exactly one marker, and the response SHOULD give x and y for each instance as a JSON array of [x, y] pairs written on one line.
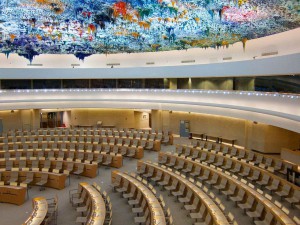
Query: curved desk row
[[89, 146], [279, 215], [53, 180], [55, 166], [263, 160], [213, 210], [240, 167], [156, 216], [39, 213], [80, 139], [97, 211]]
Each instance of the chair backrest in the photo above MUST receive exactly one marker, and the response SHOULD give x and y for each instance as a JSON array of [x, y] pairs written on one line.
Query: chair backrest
[[29, 175], [14, 175], [47, 164], [70, 166], [44, 177], [108, 158], [80, 167], [59, 165]]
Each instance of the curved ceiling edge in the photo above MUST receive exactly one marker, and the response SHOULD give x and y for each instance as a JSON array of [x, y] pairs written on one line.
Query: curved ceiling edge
[[281, 65]]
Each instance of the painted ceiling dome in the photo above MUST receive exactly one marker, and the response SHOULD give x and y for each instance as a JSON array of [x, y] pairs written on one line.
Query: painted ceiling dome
[[86, 27]]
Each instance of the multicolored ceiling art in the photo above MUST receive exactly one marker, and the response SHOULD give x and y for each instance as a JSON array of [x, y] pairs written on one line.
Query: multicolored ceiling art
[[85, 27]]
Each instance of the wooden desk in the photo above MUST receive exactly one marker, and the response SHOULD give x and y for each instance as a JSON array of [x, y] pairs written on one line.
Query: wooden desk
[[55, 180], [277, 212], [40, 209], [156, 146], [215, 212], [12, 194], [157, 213], [139, 153], [98, 210]]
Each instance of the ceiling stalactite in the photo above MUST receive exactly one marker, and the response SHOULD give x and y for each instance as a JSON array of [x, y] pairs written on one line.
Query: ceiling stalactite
[[86, 27]]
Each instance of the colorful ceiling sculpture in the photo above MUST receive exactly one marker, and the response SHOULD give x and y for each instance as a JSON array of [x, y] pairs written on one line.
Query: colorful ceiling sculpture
[[85, 27]]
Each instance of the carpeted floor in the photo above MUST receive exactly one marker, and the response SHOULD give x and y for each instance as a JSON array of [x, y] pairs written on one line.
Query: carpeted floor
[[122, 214]]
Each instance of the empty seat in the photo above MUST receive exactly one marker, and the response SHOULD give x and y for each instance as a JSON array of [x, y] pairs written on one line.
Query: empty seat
[[172, 186], [250, 157], [285, 192], [150, 145], [241, 154], [149, 173], [14, 176], [194, 205], [237, 168], [43, 181], [213, 180], [189, 168], [231, 191], [248, 204], [227, 165], [274, 186], [239, 197], [295, 198], [108, 160], [257, 213], [223, 185], [233, 152], [158, 176], [267, 220], [255, 176], [219, 162], [29, 178], [204, 176], [180, 192], [196, 173], [264, 181], [203, 156], [195, 154], [80, 169], [245, 172], [211, 159], [199, 215], [172, 162], [180, 165]]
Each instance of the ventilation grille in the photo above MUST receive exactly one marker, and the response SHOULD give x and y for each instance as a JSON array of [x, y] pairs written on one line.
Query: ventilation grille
[[113, 64], [269, 53], [75, 65], [150, 63], [188, 61], [34, 64], [227, 58]]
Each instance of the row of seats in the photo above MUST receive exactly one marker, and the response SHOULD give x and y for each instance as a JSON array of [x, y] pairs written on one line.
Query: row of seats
[[148, 145], [88, 139], [202, 207], [244, 169], [94, 206], [81, 131], [41, 179], [142, 199], [54, 166], [256, 206], [250, 156], [71, 155]]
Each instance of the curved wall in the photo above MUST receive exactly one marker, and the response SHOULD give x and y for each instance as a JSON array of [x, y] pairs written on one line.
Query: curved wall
[[274, 109]]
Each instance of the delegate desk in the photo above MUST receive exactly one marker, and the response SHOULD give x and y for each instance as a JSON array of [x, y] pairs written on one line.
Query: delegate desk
[[279, 214], [157, 213], [12, 194], [40, 209], [215, 212], [98, 210], [55, 180]]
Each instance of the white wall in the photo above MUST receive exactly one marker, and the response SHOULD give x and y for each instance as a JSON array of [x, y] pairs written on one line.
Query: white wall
[[273, 109]]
